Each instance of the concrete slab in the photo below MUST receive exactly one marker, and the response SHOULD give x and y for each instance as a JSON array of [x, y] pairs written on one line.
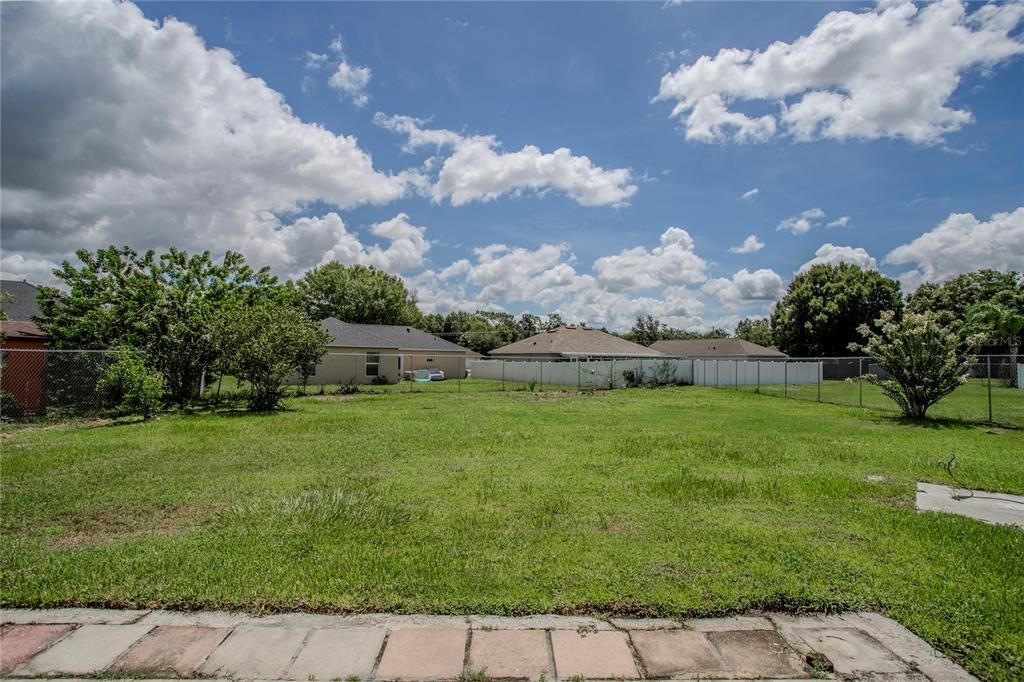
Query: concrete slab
[[210, 619], [78, 616], [994, 508], [87, 650], [676, 652], [538, 622], [423, 654], [255, 653], [646, 623], [510, 654], [340, 653], [602, 655], [18, 643], [852, 651], [757, 653], [729, 624], [176, 650], [912, 649]]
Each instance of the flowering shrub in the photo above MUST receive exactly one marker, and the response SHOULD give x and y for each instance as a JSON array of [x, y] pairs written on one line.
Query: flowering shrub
[[924, 360]]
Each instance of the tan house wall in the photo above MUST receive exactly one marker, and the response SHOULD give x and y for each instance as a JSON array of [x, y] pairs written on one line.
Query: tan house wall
[[453, 364], [348, 365]]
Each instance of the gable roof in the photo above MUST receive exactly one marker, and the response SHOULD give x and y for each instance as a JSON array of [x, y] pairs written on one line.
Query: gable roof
[[715, 348], [576, 341], [23, 307], [398, 337]]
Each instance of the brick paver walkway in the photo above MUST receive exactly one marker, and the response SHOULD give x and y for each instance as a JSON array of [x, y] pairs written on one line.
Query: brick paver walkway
[[297, 646]]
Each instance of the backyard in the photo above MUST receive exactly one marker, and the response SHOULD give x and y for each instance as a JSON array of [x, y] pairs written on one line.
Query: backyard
[[677, 501]]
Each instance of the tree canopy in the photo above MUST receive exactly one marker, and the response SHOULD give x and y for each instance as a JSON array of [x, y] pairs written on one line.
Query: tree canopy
[[821, 311], [755, 331], [952, 301], [163, 306], [358, 294]]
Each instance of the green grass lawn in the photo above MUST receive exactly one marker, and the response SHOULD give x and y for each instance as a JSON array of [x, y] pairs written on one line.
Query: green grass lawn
[[679, 501]]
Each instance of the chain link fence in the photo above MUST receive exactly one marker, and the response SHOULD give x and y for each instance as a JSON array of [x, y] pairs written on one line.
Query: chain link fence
[[993, 392], [55, 384]]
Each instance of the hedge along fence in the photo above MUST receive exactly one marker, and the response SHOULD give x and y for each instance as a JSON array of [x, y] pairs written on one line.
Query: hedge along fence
[[616, 373]]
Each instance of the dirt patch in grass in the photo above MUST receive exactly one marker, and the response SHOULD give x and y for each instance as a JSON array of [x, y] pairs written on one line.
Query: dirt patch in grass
[[98, 527]]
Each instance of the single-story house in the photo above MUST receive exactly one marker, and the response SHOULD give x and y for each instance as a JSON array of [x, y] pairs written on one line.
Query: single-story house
[[365, 353], [573, 342], [23, 375], [722, 349]]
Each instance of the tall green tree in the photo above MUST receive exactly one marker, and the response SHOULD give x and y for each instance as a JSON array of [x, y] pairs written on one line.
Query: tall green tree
[[356, 293], [266, 342], [823, 308], [162, 306], [952, 301], [755, 331]]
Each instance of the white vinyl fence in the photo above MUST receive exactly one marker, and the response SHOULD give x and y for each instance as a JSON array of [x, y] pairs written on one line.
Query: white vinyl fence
[[614, 373]]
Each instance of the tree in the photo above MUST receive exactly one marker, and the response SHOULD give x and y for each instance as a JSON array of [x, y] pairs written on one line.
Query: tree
[[139, 389], [646, 330], [264, 343], [755, 331], [825, 306], [924, 360], [997, 325], [162, 306], [953, 300], [358, 294]]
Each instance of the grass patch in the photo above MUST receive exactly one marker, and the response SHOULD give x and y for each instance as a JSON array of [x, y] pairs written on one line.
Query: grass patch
[[681, 501]]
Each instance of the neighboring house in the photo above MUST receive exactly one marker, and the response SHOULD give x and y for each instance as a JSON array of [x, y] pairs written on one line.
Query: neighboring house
[[717, 348], [364, 353], [23, 371], [573, 342]]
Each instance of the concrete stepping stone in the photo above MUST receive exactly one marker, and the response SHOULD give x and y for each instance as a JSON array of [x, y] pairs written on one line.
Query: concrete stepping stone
[[510, 654], [757, 653], [176, 650], [994, 508], [89, 649], [852, 651], [18, 643], [603, 655], [255, 653], [676, 652], [423, 654], [333, 654]]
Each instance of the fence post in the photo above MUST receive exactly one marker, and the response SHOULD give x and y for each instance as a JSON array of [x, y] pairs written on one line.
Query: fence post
[[540, 372], [785, 378], [758, 377], [820, 365], [716, 372], [989, 363], [502, 375], [579, 378], [860, 380], [736, 374], [611, 375]]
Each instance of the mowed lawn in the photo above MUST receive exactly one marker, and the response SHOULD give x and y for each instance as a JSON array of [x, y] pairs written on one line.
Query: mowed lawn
[[677, 501]]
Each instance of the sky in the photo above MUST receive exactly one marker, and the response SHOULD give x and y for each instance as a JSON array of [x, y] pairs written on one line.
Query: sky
[[599, 160]]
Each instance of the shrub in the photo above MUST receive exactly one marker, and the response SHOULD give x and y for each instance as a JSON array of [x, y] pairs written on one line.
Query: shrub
[[138, 389], [10, 408], [923, 360]]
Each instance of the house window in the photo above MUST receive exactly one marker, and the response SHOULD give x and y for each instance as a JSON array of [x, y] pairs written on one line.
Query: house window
[[430, 359], [372, 364]]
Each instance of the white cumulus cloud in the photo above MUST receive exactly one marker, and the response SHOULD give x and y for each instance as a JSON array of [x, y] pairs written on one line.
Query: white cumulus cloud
[[830, 254], [674, 262], [799, 224], [478, 169], [962, 243], [749, 245], [121, 130], [887, 72], [745, 286]]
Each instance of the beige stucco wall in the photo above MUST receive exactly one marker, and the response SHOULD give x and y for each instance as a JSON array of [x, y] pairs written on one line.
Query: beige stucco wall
[[348, 365]]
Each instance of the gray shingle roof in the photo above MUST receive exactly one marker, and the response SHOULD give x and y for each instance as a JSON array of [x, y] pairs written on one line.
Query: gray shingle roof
[[351, 335], [715, 348], [23, 307], [575, 341]]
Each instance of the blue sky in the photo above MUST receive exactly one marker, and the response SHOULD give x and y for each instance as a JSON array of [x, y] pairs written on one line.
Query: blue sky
[[589, 237]]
